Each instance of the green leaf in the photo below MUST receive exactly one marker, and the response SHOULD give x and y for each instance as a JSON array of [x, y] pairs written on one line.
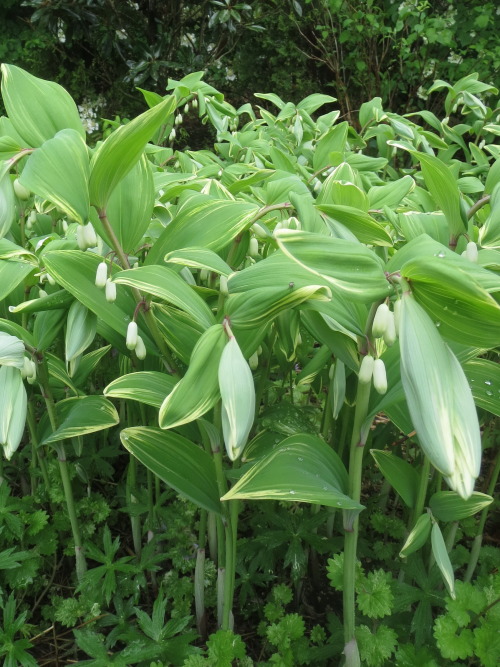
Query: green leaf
[[418, 536], [203, 221], [400, 474], [365, 228], [484, 378], [444, 190], [442, 559], [38, 109], [178, 462], [375, 598], [8, 208], [79, 416], [464, 310], [391, 193], [303, 468], [334, 141], [149, 387], [123, 149], [165, 284], [55, 301], [449, 506], [11, 274], [350, 267], [248, 310], [80, 330], [199, 258], [238, 398], [180, 330], [58, 171], [198, 391], [130, 207]]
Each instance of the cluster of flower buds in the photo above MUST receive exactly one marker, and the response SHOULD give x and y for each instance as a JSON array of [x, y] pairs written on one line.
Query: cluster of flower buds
[[103, 282], [373, 369], [31, 219], [384, 325], [86, 236], [178, 119], [28, 371], [171, 136], [134, 341]]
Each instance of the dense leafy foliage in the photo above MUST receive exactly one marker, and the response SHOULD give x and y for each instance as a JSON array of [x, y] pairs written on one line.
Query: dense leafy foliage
[[199, 347]]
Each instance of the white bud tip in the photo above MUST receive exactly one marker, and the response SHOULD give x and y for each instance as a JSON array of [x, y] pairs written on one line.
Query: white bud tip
[[21, 192], [101, 275], [110, 291], [379, 376], [140, 348], [390, 332], [366, 369], [471, 252], [380, 321], [90, 235], [223, 286], [132, 336], [51, 280], [253, 248], [41, 293]]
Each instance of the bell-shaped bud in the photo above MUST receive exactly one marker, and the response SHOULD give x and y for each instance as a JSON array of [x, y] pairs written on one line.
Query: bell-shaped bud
[[203, 275], [253, 247], [186, 107], [223, 286], [41, 293], [13, 408], [379, 376], [90, 236], [101, 275], [140, 348], [51, 280], [21, 192], [110, 291], [366, 369], [31, 374], [380, 320], [195, 103], [390, 332], [132, 335], [471, 252], [171, 136], [178, 119], [253, 362], [80, 237]]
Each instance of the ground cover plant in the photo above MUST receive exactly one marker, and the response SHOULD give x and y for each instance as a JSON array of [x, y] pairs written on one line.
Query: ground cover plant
[[250, 395]]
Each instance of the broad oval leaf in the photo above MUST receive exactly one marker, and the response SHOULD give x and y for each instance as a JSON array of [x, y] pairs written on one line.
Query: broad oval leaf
[[38, 109], [8, 209], [178, 462], [303, 468], [400, 474], [199, 258], [365, 228], [484, 378], [59, 171], [162, 282], [449, 506], [79, 416], [351, 267], [149, 387], [81, 328], [198, 391]]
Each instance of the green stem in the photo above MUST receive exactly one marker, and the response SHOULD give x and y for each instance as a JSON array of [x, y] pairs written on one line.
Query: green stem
[[146, 312], [478, 540], [135, 520], [421, 493], [351, 536], [81, 563], [199, 575]]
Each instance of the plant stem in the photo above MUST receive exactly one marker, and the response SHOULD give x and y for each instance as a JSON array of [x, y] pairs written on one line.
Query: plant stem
[[478, 540], [135, 520], [81, 563], [351, 536], [421, 493], [199, 576]]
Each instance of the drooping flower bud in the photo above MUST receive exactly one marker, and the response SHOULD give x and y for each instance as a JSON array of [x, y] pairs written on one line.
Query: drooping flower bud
[[390, 332], [90, 236], [101, 275], [51, 280], [110, 291], [397, 315], [80, 237], [223, 286], [171, 136], [253, 362], [132, 335], [366, 369], [178, 119], [140, 348], [471, 252], [186, 107], [253, 247], [21, 192], [379, 376], [380, 320], [41, 293]]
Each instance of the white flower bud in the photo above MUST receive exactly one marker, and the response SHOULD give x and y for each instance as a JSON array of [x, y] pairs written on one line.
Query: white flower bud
[[253, 248], [390, 332], [178, 119], [32, 218], [101, 275], [21, 192], [80, 237], [203, 275], [471, 252], [90, 236], [195, 103], [186, 107], [140, 348], [51, 280], [64, 225], [397, 315], [223, 286], [132, 336], [41, 293], [366, 369], [110, 291], [171, 136], [31, 374], [380, 321], [379, 376], [259, 231]]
